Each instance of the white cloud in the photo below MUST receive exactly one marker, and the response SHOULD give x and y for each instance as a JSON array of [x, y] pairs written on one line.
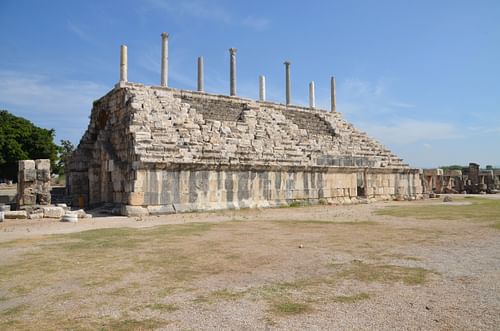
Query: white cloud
[[256, 23], [79, 30], [64, 106], [407, 131], [357, 96], [355, 88], [209, 10], [397, 104]]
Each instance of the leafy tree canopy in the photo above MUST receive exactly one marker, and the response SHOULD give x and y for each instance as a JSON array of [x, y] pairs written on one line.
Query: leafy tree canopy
[[453, 167], [65, 150], [22, 140]]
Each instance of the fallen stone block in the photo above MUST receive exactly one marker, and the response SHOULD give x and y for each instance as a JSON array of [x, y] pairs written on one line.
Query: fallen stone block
[[159, 210], [70, 217], [15, 214], [4, 207], [81, 213], [134, 211], [36, 216], [53, 212]]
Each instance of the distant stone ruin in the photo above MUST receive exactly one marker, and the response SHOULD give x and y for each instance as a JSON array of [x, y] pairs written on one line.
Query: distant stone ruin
[[156, 149], [469, 179], [33, 184]]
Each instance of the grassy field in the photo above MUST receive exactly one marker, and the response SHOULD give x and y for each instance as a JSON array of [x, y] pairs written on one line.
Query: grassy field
[[147, 278], [478, 209]]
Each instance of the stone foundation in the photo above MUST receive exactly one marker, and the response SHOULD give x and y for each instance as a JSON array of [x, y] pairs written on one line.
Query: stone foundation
[[170, 191], [161, 150]]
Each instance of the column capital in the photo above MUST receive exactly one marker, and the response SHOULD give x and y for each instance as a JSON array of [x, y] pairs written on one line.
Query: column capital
[[287, 63], [232, 50], [164, 35]]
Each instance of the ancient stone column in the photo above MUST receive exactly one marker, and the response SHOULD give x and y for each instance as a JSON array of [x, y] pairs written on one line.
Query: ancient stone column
[[312, 97], [201, 83], [164, 59], [232, 71], [123, 64], [288, 84], [333, 94], [262, 88]]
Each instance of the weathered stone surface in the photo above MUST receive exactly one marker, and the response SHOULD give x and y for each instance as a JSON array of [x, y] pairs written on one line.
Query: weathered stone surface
[[26, 164], [4, 207], [36, 215], [15, 214], [71, 217], [160, 210], [42, 164], [33, 184], [134, 211], [159, 148], [53, 212]]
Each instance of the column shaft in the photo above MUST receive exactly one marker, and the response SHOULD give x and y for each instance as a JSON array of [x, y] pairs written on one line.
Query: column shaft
[[312, 97], [333, 94], [232, 71], [201, 83], [288, 84], [262, 88], [164, 59], [123, 63]]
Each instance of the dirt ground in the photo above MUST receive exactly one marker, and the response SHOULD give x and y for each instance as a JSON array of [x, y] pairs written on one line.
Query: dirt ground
[[319, 267]]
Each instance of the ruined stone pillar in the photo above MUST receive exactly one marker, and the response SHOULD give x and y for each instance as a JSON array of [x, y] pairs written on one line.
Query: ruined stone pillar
[[232, 71], [288, 84], [312, 97], [333, 94], [262, 88], [164, 59], [201, 82], [123, 63]]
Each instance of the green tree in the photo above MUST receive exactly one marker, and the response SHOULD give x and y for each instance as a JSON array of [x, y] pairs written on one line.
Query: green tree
[[65, 150], [22, 140], [452, 167]]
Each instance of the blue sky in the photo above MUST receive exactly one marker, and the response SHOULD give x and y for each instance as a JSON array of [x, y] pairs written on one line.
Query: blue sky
[[423, 77]]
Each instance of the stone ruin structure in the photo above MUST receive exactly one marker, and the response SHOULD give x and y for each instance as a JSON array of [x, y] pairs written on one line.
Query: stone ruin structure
[[33, 184], [156, 149], [469, 179]]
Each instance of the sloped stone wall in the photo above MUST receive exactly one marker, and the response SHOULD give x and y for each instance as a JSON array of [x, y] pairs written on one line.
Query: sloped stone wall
[[161, 149]]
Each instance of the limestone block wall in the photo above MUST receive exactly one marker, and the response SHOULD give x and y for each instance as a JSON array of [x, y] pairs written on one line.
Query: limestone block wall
[[168, 191], [33, 185], [162, 149]]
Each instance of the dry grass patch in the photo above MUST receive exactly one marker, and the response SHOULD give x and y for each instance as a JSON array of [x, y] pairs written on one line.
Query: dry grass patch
[[480, 209], [168, 308], [351, 298], [289, 307], [385, 273]]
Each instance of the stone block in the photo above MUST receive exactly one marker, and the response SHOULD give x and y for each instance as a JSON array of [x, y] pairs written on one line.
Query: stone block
[[28, 199], [4, 207], [53, 212], [15, 214], [136, 198], [29, 175], [44, 198], [127, 210], [36, 215], [43, 175], [42, 164], [26, 164], [161, 209]]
